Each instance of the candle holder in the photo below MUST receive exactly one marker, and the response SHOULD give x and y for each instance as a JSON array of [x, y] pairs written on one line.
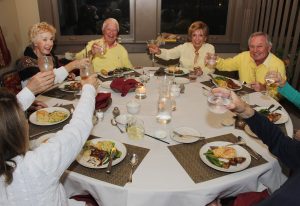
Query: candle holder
[[140, 91]]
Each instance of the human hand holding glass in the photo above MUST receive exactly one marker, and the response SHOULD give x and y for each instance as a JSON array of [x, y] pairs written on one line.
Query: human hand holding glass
[[211, 60], [272, 78], [217, 101], [86, 70], [100, 49], [153, 46], [45, 63]]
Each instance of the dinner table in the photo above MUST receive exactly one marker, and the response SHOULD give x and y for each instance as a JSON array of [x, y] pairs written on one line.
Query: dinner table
[[171, 171]]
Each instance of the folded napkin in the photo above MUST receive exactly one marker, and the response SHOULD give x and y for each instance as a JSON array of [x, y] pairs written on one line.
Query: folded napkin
[[102, 100], [123, 85]]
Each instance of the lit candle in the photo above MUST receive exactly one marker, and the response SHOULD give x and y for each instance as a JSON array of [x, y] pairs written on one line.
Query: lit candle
[[140, 91]]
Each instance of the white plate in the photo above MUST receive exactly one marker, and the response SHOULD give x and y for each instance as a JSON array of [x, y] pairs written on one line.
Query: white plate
[[185, 71], [123, 118], [185, 131], [106, 84], [234, 80], [33, 119], [109, 76], [284, 116], [62, 86], [42, 139], [240, 151], [181, 80], [249, 131], [84, 160]]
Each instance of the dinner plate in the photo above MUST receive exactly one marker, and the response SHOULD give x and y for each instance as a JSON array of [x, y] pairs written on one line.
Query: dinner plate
[[249, 131], [234, 80], [123, 118], [109, 76], [284, 116], [181, 80], [42, 139], [240, 151], [185, 71], [33, 117], [62, 86], [106, 84], [185, 131], [85, 160]]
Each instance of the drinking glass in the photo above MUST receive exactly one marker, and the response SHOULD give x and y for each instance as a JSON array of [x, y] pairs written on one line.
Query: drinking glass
[[86, 71], [211, 60], [193, 76], [135, 129], [45, 63], [271, 85], [217, 103], [152, 43], [102, 49]]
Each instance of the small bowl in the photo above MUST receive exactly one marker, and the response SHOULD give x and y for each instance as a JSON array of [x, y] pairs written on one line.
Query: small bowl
[[133, 107]]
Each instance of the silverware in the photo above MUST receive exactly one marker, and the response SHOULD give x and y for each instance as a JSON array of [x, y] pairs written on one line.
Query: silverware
[[278, 108], [156, 138], [133, 162], [270, 107], [255, 155], [111, 157], [114, 123], [188, 135]]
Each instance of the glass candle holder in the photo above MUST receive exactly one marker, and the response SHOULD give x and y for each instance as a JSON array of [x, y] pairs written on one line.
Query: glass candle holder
[[140, 91]]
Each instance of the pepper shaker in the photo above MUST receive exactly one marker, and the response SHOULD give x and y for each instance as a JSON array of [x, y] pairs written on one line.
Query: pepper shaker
[[116, 112]]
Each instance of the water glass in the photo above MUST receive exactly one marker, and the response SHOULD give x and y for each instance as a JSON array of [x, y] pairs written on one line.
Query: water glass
[[135, 129], [45, 63], [101, 50], [86, 71], [217, 103], [193, 76], [133, 107], [211, 60]]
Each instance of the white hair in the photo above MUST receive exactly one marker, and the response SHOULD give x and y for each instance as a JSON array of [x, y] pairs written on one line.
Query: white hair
[[260, 34], [109, 21]]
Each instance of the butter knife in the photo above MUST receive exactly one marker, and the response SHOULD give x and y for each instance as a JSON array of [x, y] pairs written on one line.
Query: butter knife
[[111, 157], [45, 132], [188, 135]]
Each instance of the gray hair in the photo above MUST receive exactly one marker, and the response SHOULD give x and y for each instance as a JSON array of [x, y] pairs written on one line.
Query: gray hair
[[109, 21], [260, 33]]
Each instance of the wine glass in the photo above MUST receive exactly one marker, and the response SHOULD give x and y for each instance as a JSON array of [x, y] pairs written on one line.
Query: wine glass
[[217, 103], [45, 63], [152, 43], [271, 86]]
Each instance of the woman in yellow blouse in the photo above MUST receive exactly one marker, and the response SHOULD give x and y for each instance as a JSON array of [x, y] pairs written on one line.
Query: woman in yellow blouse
[[192, 53]]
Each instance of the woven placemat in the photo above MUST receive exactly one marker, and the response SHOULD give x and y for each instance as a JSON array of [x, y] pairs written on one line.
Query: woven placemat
[[34, 130], [244, 88], [59, 94], [104, 79], [120, 172], [188, 156]]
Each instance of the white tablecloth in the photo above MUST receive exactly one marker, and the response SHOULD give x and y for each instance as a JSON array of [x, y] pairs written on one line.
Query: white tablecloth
[[160, 180]]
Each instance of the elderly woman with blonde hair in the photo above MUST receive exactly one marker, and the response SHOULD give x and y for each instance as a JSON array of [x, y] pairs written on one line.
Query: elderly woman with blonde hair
[[192, 53], [41, 36]]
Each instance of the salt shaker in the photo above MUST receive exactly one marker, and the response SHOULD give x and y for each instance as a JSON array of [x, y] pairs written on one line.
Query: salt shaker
[[116, 112]]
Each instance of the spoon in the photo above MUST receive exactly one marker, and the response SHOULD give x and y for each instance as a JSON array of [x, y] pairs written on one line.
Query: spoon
[[114, 123], [133, 162]]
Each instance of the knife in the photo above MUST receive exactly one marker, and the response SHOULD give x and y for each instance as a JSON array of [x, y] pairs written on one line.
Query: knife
[[44, 132], [111, 157]]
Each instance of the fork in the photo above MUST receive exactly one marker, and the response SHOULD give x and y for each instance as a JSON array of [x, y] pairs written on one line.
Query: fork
[[188, 135]]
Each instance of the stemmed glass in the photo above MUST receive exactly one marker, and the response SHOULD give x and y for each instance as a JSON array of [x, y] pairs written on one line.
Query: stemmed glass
[[152, 43], [45, 63], [271, 86]]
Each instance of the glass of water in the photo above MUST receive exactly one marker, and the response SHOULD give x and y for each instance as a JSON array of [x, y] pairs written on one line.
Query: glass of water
[[45, 63], [217, 103]]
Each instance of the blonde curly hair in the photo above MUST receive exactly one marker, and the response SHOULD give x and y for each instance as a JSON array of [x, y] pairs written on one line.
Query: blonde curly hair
[[39, 28]]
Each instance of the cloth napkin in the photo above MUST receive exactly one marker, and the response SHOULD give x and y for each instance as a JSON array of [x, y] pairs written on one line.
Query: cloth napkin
[[123, 85], [102, 100]]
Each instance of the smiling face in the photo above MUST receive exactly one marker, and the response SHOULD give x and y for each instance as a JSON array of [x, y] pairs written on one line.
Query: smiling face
[[259, 49], [198, 38], [43, 43], [110, 33]]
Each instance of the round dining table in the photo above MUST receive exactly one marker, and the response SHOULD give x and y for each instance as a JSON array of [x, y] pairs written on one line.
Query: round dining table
[[160, 178]]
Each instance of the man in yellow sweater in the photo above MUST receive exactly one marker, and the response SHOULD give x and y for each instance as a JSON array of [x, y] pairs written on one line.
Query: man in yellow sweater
[[253, 65], [107, 54]]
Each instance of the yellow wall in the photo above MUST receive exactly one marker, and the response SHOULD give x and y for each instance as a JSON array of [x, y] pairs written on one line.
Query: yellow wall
[[16, 16]]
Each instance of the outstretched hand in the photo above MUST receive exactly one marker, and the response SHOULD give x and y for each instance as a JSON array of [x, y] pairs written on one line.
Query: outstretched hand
[[41, 82]]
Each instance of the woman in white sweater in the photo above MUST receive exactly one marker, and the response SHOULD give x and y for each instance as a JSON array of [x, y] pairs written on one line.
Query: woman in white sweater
[[32, 177]]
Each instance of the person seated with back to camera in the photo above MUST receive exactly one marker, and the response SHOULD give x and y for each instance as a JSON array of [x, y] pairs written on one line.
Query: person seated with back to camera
[[192, 53], [107, 54], [42, 37], [31, 177], [254, 64], [285, 148]]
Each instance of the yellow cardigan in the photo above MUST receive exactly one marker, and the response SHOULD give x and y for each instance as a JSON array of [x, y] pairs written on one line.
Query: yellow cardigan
[[248, 70], [114, 57]]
